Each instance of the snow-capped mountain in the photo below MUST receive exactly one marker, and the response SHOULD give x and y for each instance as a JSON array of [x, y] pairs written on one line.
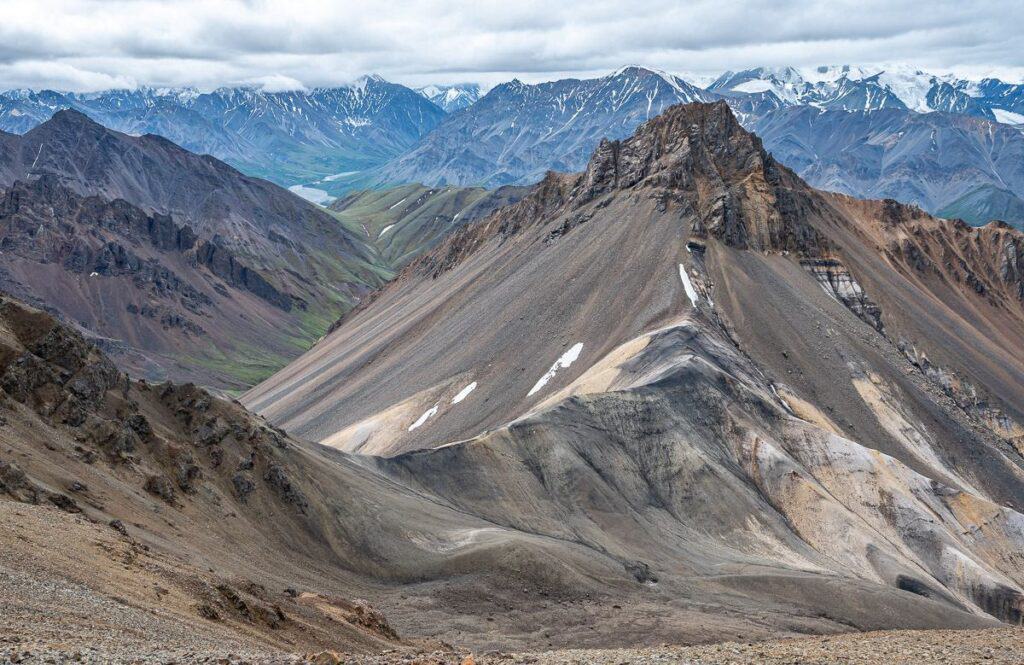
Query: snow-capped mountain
[[516, 132], [451, 97], [895, 132], [288, 136], [873, 88]]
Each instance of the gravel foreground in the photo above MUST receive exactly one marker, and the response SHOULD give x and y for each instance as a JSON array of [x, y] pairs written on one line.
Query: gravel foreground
[[997, 645]]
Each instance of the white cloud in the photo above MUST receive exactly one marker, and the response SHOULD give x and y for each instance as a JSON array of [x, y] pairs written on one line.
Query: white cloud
[[91, 44], [277, 83], [60, 76]]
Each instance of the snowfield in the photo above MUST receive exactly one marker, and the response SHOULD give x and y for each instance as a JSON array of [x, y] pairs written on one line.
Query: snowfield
[[311, 194]]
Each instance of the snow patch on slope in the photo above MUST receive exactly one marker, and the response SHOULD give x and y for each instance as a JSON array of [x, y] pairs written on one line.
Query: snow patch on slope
[[691, 292], [1008, 117], [464, 393], [567, 358], [311, 194], [422, 419], [754, 85]]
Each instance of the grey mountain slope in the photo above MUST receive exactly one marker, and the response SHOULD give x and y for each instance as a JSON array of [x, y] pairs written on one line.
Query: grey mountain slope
[[823, 364], [789, 414], [516, 132], [288, 533], [945, 163]]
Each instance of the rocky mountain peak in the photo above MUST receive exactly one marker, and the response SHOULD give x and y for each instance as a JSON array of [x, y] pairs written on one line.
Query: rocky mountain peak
[[699, 156], [73, 118], [684, 136], [68, 122]]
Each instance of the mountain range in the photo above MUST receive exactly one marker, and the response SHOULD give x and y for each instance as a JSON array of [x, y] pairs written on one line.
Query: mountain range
[[687, 359], [327, 142], [252, 266], [288, 137], [848, 130], [183, 266], [678, 396], [872, 89], [517, 132]]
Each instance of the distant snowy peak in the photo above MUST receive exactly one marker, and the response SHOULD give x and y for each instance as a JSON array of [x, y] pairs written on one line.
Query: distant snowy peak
[[451, 97], [855, 88], [642, 77], [785, 83]]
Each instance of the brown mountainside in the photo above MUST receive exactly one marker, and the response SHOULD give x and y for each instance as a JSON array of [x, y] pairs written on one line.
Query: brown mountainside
[[256, 275]]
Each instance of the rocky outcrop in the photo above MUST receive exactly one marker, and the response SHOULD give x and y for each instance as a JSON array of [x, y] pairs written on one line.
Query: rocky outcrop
[[45, 221], [694, 157], [222, 263], [989, 259], [699, 156], [58, 375], [836, 280], [966, 396]]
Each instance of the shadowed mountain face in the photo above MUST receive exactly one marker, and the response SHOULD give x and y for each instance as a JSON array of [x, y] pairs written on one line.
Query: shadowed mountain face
[[184, 265], [686, 359], [952, 165]]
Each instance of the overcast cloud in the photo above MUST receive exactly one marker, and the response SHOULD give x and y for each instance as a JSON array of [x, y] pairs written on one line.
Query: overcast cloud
[[99, 44]]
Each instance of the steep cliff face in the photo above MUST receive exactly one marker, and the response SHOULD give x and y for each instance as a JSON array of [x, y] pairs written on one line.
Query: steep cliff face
[[720, 174]]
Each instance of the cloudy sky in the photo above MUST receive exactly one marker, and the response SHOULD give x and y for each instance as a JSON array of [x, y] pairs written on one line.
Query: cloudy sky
[[98, 44]]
